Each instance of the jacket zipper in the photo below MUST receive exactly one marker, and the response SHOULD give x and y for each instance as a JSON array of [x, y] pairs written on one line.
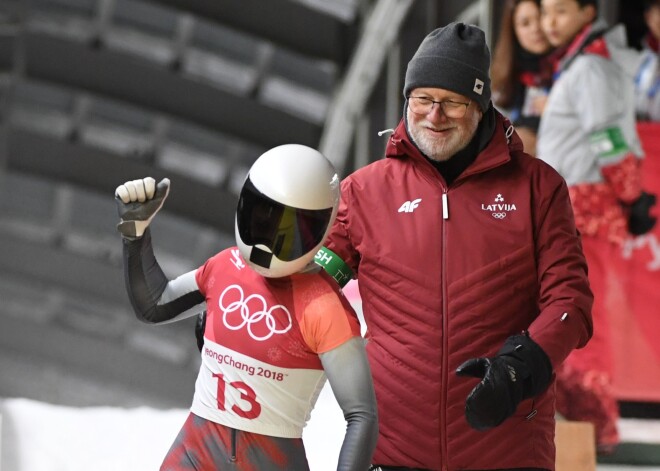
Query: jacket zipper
[[445, 322]]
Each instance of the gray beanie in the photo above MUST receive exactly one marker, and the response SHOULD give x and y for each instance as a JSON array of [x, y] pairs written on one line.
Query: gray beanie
[[454, 57]]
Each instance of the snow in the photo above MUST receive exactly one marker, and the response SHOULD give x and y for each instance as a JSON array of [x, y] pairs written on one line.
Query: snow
[[43, 437]]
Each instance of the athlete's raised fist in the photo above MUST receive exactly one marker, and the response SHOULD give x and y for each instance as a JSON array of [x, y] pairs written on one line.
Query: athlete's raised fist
[[138, 201]]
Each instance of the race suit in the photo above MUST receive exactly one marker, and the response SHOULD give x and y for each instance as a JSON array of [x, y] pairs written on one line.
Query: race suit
[[268, 345]]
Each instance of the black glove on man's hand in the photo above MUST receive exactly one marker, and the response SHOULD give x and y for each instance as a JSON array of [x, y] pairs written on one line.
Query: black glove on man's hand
[[520, 370], [640, 220], [200, 325]]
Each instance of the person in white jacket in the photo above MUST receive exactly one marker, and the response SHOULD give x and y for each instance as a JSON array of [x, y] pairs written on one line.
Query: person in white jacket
[[588, 134]]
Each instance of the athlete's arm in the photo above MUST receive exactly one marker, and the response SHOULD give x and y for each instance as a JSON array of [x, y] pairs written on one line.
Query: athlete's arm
[[349, 375], [155, 298]]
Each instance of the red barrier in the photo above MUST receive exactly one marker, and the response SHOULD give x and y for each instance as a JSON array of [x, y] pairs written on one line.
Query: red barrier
[[634, 296]]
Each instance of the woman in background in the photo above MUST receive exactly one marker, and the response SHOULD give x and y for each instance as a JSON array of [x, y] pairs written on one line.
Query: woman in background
[[521, 73]]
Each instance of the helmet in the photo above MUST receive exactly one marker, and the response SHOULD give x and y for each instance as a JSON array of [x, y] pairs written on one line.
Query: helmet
[[287, 204]]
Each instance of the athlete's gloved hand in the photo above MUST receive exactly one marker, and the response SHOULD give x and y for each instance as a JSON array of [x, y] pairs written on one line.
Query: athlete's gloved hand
[[138, 201], [520, 370], [640, 220], [200, 325]]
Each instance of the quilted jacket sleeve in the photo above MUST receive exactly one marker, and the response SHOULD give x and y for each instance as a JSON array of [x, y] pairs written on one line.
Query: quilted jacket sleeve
[[339, 240], [565, 299]]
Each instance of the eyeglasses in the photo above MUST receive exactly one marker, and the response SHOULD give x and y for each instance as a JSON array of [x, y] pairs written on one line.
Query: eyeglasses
[[451, 109]]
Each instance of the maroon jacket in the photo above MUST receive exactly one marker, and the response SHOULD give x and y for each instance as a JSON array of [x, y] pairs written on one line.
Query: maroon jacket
[[440, 286]]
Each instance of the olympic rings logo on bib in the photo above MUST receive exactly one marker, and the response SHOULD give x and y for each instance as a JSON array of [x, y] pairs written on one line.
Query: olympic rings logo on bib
[[262, 323]]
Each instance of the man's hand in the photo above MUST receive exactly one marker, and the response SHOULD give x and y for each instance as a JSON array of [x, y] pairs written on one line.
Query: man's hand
[[520, 370], [138, 201]]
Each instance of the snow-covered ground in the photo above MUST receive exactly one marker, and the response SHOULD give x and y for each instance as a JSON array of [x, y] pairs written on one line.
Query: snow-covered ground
[[43, 437]]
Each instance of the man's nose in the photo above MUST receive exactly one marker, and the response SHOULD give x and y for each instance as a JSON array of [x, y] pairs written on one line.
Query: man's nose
[[436, 113]]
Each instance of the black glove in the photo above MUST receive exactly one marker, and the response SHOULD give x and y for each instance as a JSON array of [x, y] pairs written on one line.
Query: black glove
[[200, 325], [520, 370], [138, 201], [640, 220]]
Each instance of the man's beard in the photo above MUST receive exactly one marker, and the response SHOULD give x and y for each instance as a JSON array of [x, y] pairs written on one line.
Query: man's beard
[[440, 149]]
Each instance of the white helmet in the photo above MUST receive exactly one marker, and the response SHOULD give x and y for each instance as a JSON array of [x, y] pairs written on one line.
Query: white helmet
[[285, 210]]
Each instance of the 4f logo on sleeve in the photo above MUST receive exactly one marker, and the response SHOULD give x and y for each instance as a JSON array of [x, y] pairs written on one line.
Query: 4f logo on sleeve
[[410, 206]]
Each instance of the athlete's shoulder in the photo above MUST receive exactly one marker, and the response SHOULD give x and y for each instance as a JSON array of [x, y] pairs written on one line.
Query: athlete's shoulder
[[317, 283], [318, 294], [227, 259], [326, 318], [228, 255]]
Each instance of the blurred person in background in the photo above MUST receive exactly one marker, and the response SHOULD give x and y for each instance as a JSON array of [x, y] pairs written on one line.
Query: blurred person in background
[[647, 80], [588, 133], [276, 324], [521, 73], [472, 278]]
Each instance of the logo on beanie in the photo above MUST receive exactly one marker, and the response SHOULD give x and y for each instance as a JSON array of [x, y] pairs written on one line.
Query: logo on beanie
[[478, 87]]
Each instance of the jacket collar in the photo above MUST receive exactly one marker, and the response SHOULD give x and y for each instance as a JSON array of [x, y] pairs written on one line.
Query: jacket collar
[[651, 42], [590, 40], [496, 152]]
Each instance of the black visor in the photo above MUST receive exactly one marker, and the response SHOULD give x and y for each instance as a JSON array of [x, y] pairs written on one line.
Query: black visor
[[288, 232]]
